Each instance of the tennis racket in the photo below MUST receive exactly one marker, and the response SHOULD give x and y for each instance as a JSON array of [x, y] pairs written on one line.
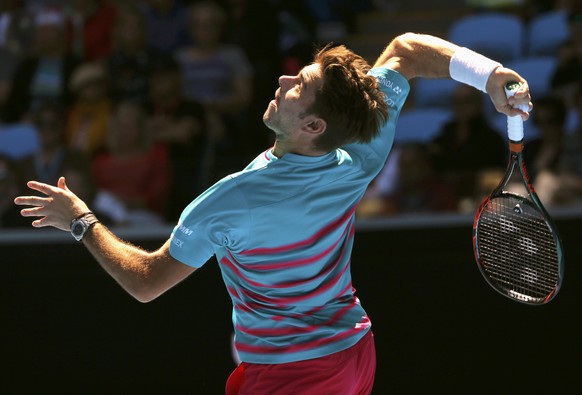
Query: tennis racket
[[516, 245]]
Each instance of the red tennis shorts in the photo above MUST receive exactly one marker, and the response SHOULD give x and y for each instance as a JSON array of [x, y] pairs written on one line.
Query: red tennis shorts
[[348, 372]]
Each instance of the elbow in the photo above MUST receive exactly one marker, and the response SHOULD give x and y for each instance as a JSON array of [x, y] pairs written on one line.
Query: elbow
[[146, 293], [403, 45], [144, 297], [422, 55], [140, 295], [142, 291], [401, 51]]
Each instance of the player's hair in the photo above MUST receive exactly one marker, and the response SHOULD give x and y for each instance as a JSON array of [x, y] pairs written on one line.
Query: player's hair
[[349, 100]]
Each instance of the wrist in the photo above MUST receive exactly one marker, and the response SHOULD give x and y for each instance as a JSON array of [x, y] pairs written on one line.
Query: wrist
[[82, 224], [471, 68]]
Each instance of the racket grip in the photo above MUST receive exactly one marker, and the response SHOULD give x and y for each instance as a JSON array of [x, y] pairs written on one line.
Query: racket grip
[[514, 124]]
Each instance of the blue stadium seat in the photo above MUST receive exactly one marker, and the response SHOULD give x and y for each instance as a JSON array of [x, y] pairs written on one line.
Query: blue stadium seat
[[434, 93], [497, 35], [420, 124], [546, 33], [538, 72], [18, 140]]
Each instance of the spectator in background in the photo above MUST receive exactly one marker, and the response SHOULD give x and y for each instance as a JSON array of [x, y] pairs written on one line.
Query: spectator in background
[[561, 183], [219, 76], [468, 139], [133, 168], [90, 28], [571, 159], [103, 204], [568, 74], [336, 18], [45, 73], [543, 153], [15, 38], [261, 46], [179, 124], [130, 60], [167, 25], [53, 157], [8, 61], [296, 35], [89, 114], [416, 188], [16, 26], [9, 189]]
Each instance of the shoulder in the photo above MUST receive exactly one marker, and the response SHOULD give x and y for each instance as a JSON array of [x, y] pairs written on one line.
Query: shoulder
[[392, 83]]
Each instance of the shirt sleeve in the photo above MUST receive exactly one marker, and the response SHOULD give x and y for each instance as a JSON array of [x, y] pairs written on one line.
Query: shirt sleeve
[[373, 154], [218, 218]]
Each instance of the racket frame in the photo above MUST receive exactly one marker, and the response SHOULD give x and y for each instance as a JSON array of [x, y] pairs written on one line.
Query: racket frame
[[516, 161], [515, 130]]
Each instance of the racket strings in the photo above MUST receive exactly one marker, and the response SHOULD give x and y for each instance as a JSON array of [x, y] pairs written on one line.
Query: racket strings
[[518, 252]]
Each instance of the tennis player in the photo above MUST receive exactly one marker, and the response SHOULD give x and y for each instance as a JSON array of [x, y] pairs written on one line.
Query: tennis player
[[282, 229]]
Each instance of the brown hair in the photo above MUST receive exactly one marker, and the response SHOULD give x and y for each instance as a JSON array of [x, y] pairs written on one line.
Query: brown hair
[[348, 99]]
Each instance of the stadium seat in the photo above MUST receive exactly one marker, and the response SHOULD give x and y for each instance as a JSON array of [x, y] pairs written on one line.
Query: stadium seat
[[18, 140], [538, 72], [420, 124], [546, 33], [433, 93], [497, 35]]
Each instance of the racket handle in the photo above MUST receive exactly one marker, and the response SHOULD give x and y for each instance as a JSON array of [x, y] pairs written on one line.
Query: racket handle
[[514, 124]]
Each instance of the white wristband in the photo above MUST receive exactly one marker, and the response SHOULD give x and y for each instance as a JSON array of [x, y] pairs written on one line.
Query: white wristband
[[471, 68]]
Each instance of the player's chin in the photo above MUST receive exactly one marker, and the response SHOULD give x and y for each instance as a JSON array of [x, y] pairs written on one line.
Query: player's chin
[[269, 115]]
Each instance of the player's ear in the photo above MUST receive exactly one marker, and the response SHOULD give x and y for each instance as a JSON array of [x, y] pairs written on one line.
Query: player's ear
[[315, 126]]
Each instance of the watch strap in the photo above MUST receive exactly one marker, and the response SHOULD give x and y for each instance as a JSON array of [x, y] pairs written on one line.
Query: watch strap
[[90, 218]]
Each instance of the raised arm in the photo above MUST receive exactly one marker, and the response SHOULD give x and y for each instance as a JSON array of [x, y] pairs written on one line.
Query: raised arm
[[143, 274], [420, 55]]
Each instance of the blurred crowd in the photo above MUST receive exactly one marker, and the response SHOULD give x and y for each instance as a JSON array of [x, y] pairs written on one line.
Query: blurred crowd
[[142, 105], [454, 170]]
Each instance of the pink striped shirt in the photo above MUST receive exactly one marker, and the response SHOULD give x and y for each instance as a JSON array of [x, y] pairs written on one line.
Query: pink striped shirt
[[282, 231]]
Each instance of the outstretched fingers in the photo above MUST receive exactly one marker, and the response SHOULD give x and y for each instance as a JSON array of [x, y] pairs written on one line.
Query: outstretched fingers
[[56, 208], [42, 187], [35, 201], [39, 209]]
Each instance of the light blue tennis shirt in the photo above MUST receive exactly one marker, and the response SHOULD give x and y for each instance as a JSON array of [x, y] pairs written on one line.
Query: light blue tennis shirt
[[282, 231]]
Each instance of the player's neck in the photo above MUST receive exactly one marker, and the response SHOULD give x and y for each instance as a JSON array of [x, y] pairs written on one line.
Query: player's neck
[[281, 148]]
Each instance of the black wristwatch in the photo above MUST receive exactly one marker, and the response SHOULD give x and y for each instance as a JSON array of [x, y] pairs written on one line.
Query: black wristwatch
[[81, 225]]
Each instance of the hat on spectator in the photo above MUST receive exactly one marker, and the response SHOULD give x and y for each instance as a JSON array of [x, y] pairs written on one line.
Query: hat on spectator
[[87, 73]]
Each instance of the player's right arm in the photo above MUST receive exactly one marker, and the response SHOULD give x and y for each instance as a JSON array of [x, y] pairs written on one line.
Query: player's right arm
[[420, 55], [143, 274]]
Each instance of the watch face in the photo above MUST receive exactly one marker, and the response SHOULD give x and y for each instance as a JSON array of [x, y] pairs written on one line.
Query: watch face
[[77, 229]]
